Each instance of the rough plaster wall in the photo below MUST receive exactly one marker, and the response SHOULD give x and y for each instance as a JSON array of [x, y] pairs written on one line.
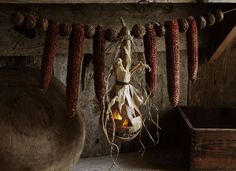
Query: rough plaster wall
[[14, 44]]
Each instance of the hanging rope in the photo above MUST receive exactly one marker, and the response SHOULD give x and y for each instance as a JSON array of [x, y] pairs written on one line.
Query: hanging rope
[[229, 11]]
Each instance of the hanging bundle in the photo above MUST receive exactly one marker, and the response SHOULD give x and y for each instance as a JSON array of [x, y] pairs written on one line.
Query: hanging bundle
[[121, 118], [49, 55], [75, 58]]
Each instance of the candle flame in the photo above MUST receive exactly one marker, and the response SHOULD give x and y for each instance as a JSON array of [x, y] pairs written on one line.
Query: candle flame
[[117, 115], [125, 123]]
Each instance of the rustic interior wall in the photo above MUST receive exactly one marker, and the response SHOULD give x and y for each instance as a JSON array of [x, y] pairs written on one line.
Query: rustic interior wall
[[30, 51], [216, 82]]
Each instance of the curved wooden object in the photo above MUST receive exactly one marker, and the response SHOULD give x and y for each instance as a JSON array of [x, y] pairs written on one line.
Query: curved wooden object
[[35, 133]]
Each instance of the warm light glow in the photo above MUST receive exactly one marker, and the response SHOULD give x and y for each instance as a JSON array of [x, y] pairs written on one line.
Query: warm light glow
[[125, 123], [117, 115]]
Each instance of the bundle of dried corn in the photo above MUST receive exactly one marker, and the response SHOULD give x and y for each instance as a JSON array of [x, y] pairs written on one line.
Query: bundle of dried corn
[[192, 48], [49, 55], [99, 61], [121, 118], [150, 51], [172, 60], [74, 67]]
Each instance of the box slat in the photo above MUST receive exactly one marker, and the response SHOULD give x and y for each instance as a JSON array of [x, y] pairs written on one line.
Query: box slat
[[208, 148]]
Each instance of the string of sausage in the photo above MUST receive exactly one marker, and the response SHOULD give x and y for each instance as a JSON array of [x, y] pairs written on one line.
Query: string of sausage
[[150, 51], [99, 62], [49, 55], [75, 58], [172, 60], [192, 48]]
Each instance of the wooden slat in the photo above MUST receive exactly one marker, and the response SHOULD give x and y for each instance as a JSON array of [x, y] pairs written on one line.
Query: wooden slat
[[214, 150], [219, 1], [106, 1], [226, 42]]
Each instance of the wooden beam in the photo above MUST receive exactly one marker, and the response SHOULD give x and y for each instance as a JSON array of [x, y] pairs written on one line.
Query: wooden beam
[[226, 42], [105, 1]]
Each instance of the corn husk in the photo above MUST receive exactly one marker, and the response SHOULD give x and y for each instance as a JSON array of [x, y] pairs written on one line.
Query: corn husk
[[124, 99]]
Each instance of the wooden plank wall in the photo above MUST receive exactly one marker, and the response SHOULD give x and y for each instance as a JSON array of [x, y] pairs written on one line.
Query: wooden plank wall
[[216, 85], [15, 44], [216, 81]]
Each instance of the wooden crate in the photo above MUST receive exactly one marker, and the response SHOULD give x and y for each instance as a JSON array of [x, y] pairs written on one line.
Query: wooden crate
[[208, 137]]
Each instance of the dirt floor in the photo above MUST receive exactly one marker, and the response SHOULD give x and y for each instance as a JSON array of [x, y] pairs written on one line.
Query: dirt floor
[[154, 159]]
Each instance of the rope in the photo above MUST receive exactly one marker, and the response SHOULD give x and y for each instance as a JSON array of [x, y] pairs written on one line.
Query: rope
[[229, 11]]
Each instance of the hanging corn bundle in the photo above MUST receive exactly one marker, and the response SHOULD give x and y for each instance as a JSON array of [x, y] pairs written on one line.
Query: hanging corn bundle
[[121, 118], [99, 61], [75, 58], [150, 51], [192, 48], [172, 61], [49, 55]]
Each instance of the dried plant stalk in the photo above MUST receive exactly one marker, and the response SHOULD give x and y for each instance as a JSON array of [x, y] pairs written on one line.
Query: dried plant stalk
[[49, 54], [192, 48], [150, 50], [172, 60], [75, 58], [99, 62]]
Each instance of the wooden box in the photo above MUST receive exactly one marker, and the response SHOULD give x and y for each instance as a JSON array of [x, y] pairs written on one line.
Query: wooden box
[[208, 137]]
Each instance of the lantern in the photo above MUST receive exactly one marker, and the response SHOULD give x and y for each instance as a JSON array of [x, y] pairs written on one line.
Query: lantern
[[121, 118]]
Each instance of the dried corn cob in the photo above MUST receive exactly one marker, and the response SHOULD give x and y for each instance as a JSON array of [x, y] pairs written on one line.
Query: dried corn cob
[[75, 58], [172, 60], [192, 48], [150, 51], [99, 61], [49, 54]]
